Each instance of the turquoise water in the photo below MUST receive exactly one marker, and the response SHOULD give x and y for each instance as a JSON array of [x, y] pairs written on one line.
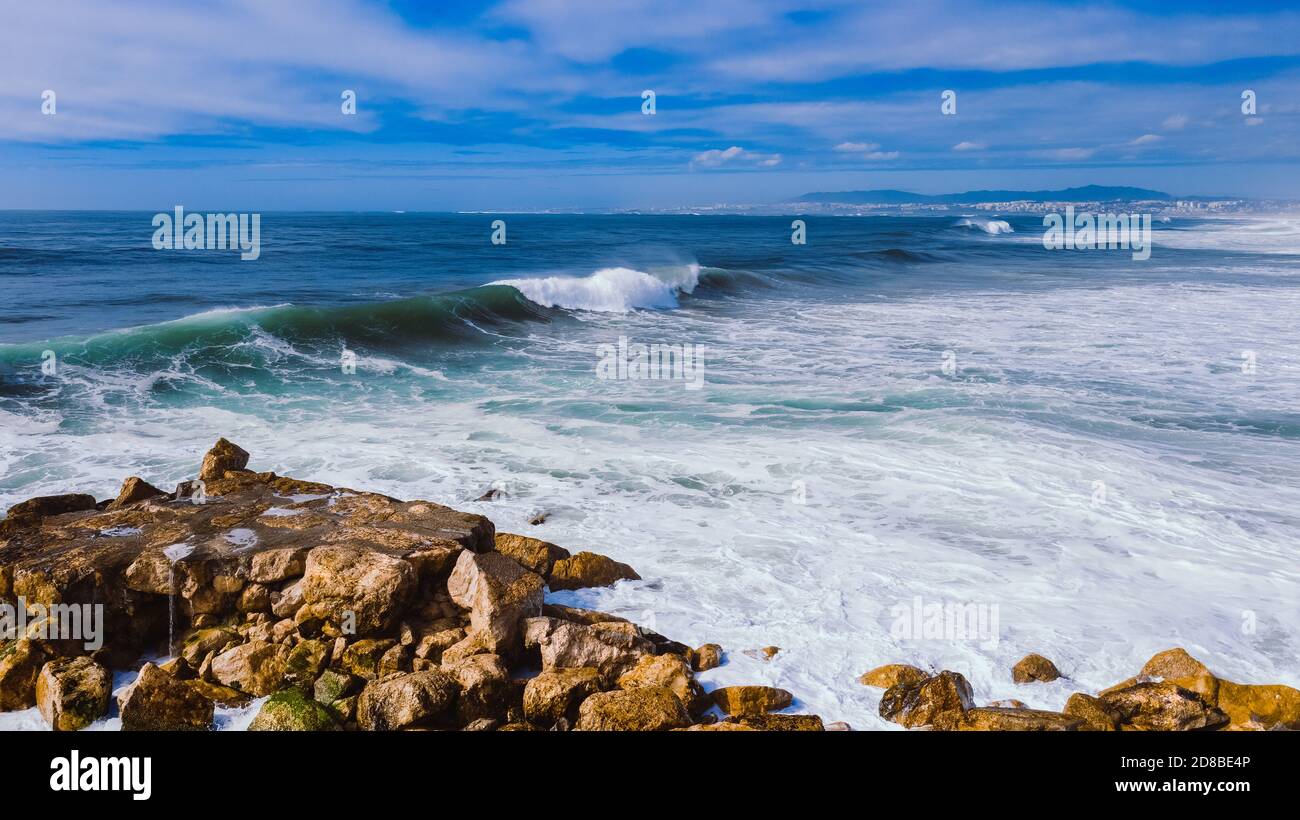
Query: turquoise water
[[905, 406]]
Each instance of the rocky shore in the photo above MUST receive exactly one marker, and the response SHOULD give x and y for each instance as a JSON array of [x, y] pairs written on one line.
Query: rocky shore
[[348, 610]]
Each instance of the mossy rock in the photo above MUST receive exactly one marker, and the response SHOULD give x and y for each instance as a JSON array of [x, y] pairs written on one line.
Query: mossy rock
[[292, 710], [332, 685]]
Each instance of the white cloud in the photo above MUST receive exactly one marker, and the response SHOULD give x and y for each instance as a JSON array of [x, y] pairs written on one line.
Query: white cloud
[[715, 158], [1174, 122], [1069, 153], [857, 147], [1254, 121], [1147, 139], [969, 146]]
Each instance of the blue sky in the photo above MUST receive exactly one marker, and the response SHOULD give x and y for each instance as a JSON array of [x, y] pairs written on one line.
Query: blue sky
[[528, 104]]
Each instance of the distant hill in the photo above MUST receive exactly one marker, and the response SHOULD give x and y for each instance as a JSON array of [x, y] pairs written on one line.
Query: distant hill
[[890, 197]]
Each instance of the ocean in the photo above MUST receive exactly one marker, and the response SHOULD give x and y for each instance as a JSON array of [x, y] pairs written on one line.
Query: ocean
[[905, 411]]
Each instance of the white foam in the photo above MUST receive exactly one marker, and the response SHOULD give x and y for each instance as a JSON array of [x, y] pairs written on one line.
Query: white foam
[[609, 290], [989, 226]]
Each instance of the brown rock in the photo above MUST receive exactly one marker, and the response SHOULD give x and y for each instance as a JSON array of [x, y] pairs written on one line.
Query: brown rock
[[1034, 667], [33, 510], [134, 489], [587, 569], [218, 694], [20, 666], [556, 694], [669, 672], [940, 701], [484, 688], [1163, 707], [1003, 719], [1095, 715], [158, 702], [275, 565], [751, 700], [417, 699], [708, 656], [1172, 664], [257, 667], [892, 674], [531, 553], [767, 653], [783, 723], [1260, 706], [222, 457], [605, 646], [361, 658], [353, 587], [198, 643], [498, 593], [717, 727], [72, 693], [636, 710]]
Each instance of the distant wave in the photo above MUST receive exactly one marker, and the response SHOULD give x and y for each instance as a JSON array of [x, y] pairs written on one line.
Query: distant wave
[[988, 226], [610, 290]]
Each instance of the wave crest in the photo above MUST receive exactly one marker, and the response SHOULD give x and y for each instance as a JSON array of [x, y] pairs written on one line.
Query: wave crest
[[610, 290]]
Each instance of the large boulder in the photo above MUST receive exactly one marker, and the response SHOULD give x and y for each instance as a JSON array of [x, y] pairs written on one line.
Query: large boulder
[[20, 665], [1260, 706], [652, 709], [222, 457], [782, 723], [31, 511], [417, 699], [751, 700], [485, 690], [159, 702], [531, 553], [1033, 667], [291, 710], [351, 587], [1163, 706], [275, 565], [558, 693], [706, 657], [256, 667], [134, 489], [604, 646], [72, 693], [892, 674], [1093, 713], [588, 569], [940, 701], [1004, 719], [670, 672], [498, 592]]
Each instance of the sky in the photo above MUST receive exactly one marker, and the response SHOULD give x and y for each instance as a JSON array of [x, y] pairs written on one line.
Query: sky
[[533, 104]]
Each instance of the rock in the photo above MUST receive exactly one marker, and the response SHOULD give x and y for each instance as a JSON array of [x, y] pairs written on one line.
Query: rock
[[306, 661], [20, 666], [531, 553], [498, 593], [1172, 664], [539, 519], [152, 572], [838, 726], [588, 617], [196, 645], [482, 725], [940, 701], [708, 656], [257, 667], [651, 709], [361, 658], [289, 602], [1034, 667], [717, 727], [556, 694], [1008, 703], [1260, 705], [255, 598], [396, 659], [1094, 714], [1162, 707], [31, 511], [332, 685], [419, 698], [767, 653], [218, 694], [587, 569], [783, 723], [72, 693], [892, 674], [290, 710], [566, 645], [158, 702], [353, 587], [275, 565], [134, 489], [484, 688], [751, 700], [1003, 719], [222, 457], [669, 672]]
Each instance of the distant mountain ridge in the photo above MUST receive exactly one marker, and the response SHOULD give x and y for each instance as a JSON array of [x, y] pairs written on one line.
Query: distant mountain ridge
[[1086, 193]]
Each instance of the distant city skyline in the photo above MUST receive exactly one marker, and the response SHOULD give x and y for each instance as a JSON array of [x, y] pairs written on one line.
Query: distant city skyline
[[533, 104]]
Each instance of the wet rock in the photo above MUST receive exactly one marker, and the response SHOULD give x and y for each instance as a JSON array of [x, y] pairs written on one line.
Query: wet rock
[[257, 667], [484, 688], [892, 674], [1034, 667], [275, 565], [1263, 706], [708, 656], [72, 693], [1162, 707], [134, 489], [1094, 713], [557, 693], [940, 701], [222, 457], [158, 702], [1003, 719], [20, 665], [531, 553], [566, 645], [670, 672], [587, 617], [332, 686], [498, 592], [652, 709], [196, 645], [362, 658], [33, 510], [783, 723], [289, 601], [218, 694], [419, 698], [838, 726], [354, 588], [587, 569], [767, 653], [717, 727], [306, 661], [290, 710], [751, 700]]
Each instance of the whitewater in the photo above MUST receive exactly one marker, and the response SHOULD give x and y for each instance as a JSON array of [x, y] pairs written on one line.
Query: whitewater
[[919, 408]]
